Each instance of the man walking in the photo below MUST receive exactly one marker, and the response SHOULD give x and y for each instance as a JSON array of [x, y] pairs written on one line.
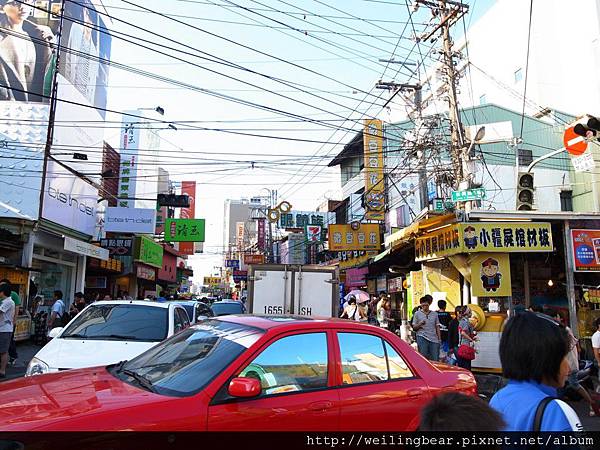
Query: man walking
[[444, 317], [427, 326], [7, 313], [58, 311], [12, 350]]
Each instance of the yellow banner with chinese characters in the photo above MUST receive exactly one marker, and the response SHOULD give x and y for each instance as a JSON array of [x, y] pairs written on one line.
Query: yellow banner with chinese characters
[[374, 177], [346, 238], [348, 260], [439, 243], [475, 237], [490, 275], [211, 281]]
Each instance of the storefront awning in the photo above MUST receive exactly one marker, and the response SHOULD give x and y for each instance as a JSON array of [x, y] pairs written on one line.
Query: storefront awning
[[414, 229], [382, 255]]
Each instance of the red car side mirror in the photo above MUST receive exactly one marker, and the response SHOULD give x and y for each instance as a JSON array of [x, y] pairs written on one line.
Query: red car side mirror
[[244, 387]]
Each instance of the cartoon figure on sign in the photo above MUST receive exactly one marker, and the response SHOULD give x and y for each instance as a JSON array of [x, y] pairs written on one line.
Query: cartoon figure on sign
[[490, 276], [470, 238], [375, 201]]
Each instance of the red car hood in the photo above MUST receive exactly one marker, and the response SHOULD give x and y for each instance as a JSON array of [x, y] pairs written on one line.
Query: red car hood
[[86, 400]]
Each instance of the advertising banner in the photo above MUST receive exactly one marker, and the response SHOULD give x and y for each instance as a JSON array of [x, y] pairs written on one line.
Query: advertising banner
[[261, 226], [240, 230], [254, 259], [475, 237], [212, 281], [68, 200], [293, 251], [354, 258], [118, 247], [148, 251], [356, 278], [146, 273], [346, 237], [240, 275], [300, 219], [130, 220], [374, 176], [233, 263], [184, 230], [586, 250], [313, 233], [490, 275], [188, 188], [83, 248]]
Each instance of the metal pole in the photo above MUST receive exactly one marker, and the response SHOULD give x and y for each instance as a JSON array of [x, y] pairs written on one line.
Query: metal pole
[[570, 279]]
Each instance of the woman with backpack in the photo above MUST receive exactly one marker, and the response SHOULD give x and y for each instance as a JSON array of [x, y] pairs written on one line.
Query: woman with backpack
[[533, 353]]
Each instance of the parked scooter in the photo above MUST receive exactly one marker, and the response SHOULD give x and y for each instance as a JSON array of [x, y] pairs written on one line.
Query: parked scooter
[[585, 377]]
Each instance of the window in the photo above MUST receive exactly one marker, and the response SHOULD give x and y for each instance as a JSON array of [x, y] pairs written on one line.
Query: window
[[483, 100], [293, 363], [186, 362], [203, 310], [518, 75], [179, 320], [398, 367], [566, 200], [130, 322], [525, 157], [364, 359]]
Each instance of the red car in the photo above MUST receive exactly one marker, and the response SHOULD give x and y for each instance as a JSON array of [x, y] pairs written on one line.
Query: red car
[[245, 373]]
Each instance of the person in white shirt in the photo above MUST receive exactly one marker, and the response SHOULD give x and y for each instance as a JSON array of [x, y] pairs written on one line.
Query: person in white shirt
[[596, 341], [7, 312]]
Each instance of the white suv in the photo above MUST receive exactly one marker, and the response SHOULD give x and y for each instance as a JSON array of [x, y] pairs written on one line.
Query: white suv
[[107, 332]]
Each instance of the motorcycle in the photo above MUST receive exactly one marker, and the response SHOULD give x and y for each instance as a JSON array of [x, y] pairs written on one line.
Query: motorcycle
[[585, 377]]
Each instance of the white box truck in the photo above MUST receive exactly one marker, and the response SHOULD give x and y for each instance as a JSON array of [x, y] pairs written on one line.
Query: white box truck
[[293, 289]]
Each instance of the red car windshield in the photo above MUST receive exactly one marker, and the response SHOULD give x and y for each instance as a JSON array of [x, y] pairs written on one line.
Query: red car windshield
[[185, 363]]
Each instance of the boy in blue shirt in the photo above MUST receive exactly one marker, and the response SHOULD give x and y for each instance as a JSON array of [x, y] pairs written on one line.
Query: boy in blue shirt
[[533, 352]]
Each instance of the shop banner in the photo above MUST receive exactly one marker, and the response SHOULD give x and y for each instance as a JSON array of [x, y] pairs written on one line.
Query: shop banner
[[114, 265], [130, 220], [490, 275], [146, 273], [240, 230], [475, 237], [394, 285], [233, 263], [586, 250], [348, 237], [300, 219], [148, 251], [348, 260], [188, 188], [357, 277], [211, 281], [254, 259], [313, 233], [118, 247], [261, 226], [184, 230], [374, 178], [240, 275], [83, 248]]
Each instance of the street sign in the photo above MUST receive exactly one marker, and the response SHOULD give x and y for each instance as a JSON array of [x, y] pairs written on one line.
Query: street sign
[[584, 162], [575, 144], [438, 205], [468, 195]]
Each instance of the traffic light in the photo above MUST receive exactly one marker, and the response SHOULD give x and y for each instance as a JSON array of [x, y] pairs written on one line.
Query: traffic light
[[525, 191], [174, 201], [588, 127]]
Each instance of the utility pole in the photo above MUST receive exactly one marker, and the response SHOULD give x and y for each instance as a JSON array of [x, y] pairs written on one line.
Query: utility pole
[[448, 16], [418, 109]]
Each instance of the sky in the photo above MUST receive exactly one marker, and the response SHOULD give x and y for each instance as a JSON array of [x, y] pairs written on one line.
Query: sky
[[299, 73]]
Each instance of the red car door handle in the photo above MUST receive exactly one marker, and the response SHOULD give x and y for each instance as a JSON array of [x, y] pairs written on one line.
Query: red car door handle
[[414, 392], [320, 406]]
